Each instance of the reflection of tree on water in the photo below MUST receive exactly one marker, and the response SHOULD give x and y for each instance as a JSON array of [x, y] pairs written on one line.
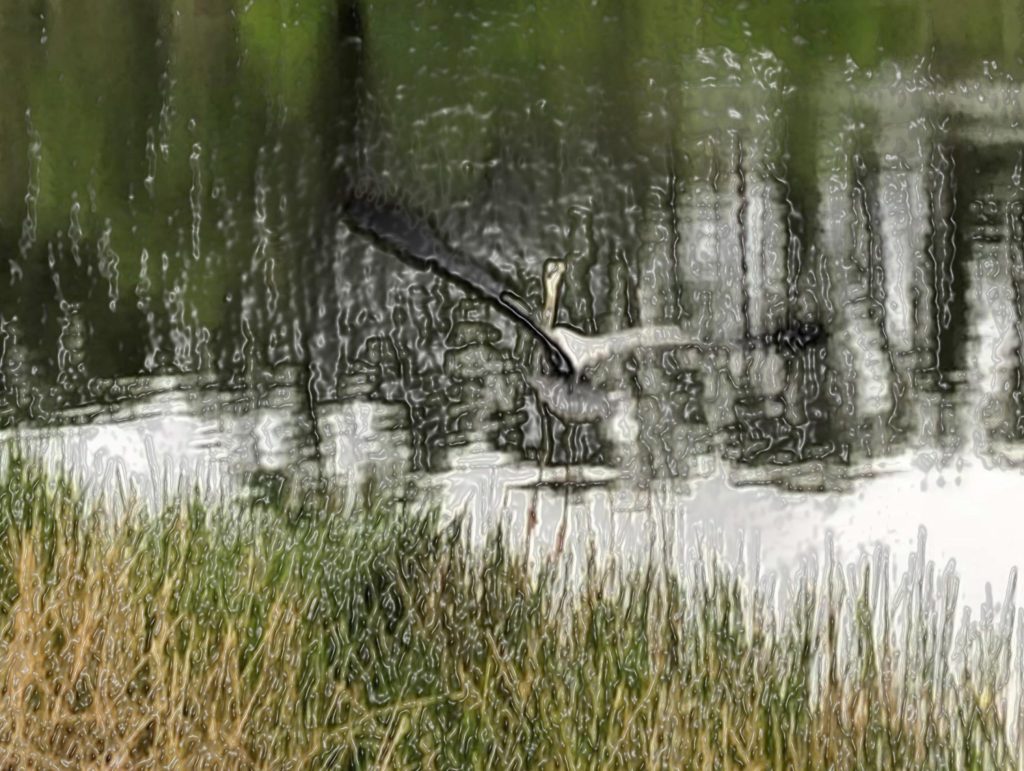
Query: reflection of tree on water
[[1015, 232], [888, 370], [991, 313], [218, 247]]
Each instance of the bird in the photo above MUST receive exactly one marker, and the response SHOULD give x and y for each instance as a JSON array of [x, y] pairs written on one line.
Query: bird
[[578, 401]]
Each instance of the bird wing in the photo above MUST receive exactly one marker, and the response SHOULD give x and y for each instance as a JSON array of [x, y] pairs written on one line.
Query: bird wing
[[410, 237], [586, 351]]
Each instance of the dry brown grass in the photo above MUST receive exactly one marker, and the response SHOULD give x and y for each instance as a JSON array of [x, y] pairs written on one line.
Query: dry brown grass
[[287, 638]]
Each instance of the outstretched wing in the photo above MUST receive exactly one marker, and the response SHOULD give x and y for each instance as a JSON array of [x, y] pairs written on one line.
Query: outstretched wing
[[401, 232]]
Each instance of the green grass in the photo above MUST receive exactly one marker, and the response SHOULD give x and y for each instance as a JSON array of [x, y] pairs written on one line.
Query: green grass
[[290, 636]]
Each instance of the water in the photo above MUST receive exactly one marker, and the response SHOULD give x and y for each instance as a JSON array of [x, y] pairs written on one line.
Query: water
[[823, 203]]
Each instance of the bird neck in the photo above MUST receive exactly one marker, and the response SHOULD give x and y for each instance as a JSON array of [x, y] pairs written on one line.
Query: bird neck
[[552, 285]]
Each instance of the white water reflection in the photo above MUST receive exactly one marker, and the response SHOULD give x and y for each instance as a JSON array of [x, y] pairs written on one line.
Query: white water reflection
[[968, 507], [153, 451], [185, 441], [174, 442]]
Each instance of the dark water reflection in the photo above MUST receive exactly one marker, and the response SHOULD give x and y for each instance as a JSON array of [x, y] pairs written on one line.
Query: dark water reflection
[[169, 209]]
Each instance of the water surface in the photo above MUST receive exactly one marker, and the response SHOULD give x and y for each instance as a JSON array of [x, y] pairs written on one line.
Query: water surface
[[180, 292]]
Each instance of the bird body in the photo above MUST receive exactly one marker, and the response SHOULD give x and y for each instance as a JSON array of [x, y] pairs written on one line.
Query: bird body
[[577, 401], [585, 351]]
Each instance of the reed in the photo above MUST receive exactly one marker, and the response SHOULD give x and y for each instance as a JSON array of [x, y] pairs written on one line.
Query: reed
[[286, 635]]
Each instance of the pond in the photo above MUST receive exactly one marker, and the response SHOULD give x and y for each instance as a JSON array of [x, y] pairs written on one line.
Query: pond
[[780, 246]]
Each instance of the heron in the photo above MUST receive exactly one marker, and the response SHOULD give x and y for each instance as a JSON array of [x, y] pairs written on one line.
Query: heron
[[576, 400]]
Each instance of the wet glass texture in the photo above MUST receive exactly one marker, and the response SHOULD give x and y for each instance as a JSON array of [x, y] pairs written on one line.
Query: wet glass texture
[[664, 241], [622, 277]]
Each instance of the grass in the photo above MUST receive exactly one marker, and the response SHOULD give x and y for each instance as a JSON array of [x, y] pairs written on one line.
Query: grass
[[287, 636]]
